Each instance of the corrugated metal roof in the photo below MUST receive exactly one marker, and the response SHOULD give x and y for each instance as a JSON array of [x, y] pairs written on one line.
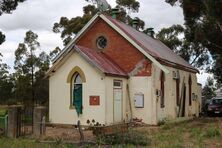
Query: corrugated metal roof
[[101, 61], [152, 46]]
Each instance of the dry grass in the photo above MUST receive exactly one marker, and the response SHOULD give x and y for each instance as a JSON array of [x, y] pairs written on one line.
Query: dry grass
[[203, 132], [198, 133]]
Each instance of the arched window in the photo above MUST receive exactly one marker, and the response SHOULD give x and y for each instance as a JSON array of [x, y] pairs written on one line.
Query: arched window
[[77, 93], [162, 87], [178, 89], [190, 90]]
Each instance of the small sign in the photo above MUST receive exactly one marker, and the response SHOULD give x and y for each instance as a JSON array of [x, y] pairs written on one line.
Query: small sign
[[94, 100], [139, 100]]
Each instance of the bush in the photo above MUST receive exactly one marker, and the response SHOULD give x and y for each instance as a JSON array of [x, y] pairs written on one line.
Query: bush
[[212, 132], [134, 138], [3, 112], [161, 122]]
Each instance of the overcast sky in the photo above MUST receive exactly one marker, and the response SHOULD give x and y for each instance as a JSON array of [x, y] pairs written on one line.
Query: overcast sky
[[40, 15]]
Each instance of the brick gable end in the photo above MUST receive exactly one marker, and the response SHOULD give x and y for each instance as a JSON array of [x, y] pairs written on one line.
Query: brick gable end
[[118, 48]]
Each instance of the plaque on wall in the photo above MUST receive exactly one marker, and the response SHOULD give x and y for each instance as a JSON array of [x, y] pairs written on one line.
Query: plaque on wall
[[94, 100]]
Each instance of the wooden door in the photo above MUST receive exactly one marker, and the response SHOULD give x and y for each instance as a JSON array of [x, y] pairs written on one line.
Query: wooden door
[[117, 105]]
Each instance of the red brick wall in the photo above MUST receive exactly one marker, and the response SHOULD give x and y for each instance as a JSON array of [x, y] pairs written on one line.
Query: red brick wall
[[145, 70], [118, 48]]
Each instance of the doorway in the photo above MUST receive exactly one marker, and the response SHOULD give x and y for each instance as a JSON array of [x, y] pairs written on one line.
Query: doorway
[[117, 99]]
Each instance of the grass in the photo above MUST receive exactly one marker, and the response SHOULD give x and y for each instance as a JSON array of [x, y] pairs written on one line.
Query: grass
[[127, 138], [31, 143], [197, 133], [205, 132]]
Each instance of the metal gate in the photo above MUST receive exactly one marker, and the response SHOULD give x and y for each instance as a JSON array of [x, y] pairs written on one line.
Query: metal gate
[[25, 121]]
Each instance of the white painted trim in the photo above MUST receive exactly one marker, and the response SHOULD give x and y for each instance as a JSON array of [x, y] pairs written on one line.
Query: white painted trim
[[75, 38], [135, 44]]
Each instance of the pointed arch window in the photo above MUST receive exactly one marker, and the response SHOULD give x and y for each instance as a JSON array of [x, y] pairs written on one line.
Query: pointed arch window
[[77, 90], [190, 90], [178, 89], [162, 88]]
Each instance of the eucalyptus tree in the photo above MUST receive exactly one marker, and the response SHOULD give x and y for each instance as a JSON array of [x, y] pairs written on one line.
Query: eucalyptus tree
[[30, 66], [193, 52], [7, 6], [203, 20], [69, 27], [6, 85]]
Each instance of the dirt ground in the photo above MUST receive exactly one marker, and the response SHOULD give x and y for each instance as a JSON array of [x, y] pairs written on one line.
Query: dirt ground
[[70, 134]]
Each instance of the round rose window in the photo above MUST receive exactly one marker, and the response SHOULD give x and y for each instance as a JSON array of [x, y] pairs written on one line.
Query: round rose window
[[101, 42]]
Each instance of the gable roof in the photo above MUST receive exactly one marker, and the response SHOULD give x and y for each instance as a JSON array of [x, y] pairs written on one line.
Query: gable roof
[[101, 61], [97, 59], [152, 48]]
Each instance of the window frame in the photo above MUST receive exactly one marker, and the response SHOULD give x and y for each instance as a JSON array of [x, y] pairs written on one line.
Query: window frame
[[72, 87], [190, 90], [162, 88]]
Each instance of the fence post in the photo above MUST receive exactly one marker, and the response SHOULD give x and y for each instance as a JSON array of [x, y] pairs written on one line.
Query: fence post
[[39, 113], [13, 121]]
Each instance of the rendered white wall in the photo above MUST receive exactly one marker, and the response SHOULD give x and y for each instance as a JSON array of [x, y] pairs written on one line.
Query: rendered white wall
[[170, 110], [59, 97], [142, 85]]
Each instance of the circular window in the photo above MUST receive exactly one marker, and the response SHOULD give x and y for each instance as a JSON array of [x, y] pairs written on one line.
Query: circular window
[[101, 42]]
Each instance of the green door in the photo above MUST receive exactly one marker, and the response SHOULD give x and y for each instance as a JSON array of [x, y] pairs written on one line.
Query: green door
[[77, 98]]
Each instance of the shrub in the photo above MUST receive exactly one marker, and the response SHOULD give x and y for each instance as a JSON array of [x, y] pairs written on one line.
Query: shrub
[[131, 137], [212, 132], [161, 122]]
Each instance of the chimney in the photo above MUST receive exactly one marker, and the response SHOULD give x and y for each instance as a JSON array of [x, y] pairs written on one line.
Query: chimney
[[115, 12], [136, 23]]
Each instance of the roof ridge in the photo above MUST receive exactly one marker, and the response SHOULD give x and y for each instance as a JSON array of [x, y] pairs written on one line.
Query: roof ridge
[[156, 55]]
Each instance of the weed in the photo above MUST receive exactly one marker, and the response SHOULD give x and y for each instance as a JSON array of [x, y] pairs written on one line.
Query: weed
[[130, 137], [167, 127], [212, 132], [161, 122]]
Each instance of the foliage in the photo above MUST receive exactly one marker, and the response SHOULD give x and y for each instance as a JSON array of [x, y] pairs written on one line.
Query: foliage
[[54, 52], [209, 88], [212, 132], [203, 22], [30, 143], [3, 112], [131, 5], [193, 52], [2, 37], [217, 68], [130, 137], [7, 6], [161, 122], [6, 85], [69, 27], [30, 70]]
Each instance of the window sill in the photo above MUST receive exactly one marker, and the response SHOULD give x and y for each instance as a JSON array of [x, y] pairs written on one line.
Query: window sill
[[72, 107]]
